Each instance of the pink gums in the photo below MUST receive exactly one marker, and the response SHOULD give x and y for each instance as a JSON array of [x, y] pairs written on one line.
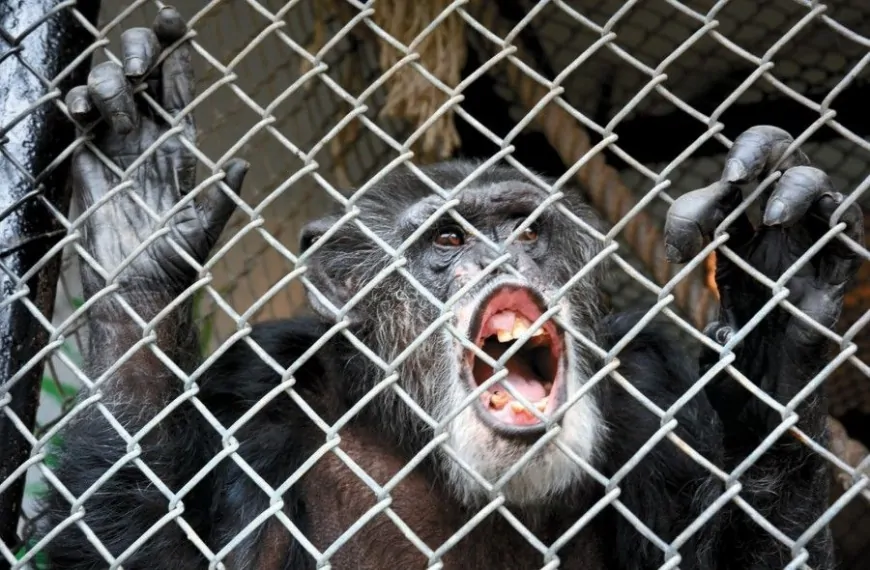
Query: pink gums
[[500, 314]]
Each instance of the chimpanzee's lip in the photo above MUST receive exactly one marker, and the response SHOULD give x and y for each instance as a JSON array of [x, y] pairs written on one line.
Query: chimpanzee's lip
[[535, 371]]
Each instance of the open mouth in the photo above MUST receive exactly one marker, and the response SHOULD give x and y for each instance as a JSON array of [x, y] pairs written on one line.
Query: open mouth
[[534, 371]]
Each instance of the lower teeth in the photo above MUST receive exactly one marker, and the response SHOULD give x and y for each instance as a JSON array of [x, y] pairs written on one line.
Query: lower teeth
[[499, 400]]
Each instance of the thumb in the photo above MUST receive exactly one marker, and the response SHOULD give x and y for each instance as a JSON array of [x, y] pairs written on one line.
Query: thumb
[[216, 205], [91, 180]]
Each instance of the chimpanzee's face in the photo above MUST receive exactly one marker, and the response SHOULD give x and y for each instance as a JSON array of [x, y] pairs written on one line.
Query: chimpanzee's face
[[504, 375]]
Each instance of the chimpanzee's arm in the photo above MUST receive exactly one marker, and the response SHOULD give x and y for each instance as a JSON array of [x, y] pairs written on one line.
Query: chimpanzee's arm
[[788, 484], [161, 454]]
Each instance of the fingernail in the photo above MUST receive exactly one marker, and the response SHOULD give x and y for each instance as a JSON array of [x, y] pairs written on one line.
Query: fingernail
[[672, 253], [123, 124], [774, 213], [243, 165], [236, 173], [734, 171], [169, 25], [79, 107], [724, 335], [134, 66]]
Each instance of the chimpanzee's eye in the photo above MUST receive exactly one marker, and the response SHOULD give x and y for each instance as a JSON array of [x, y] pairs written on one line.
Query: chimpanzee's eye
[[529, 234], [451, 236]]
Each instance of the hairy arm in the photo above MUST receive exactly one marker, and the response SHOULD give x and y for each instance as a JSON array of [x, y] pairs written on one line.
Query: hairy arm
[[114, 500], [667, 490], [787, 484]]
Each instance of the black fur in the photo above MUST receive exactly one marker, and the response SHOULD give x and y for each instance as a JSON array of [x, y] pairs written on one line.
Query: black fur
[[666, 490]]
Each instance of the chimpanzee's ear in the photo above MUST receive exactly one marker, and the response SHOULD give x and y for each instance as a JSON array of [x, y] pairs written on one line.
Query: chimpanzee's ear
[[313, 231], [321, 273]]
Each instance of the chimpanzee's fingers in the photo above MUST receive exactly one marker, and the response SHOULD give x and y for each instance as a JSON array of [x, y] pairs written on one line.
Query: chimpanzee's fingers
[[177, 81], [794, 194], [112, 95], [169, 26], [839, 263], [78, 101], [694, 216], [756, 151], [216, 206], [804, 190], [139, 48]]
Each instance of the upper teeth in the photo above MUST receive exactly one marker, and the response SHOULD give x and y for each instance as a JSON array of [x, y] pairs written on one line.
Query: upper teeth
[[521, 325], [518, 407]]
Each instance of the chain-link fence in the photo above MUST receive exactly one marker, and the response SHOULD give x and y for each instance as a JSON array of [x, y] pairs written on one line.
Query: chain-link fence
[[635, 103]]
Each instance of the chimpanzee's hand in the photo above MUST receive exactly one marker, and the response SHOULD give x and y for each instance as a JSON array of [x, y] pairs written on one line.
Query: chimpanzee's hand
[[161, 175], [798, 211]]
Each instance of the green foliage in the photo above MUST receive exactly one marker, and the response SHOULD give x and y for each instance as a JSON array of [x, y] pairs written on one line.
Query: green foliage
[[58, 391], [39, 562], [206, 327], [61, 393]]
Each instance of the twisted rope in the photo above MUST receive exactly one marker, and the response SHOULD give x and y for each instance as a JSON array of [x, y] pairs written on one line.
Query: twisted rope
[[607, 192]]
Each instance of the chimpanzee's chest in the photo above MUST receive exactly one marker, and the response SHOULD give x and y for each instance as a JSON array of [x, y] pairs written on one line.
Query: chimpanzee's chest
[[415, 526]]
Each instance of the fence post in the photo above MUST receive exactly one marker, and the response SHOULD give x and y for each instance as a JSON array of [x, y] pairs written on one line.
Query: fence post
[[38, 40]]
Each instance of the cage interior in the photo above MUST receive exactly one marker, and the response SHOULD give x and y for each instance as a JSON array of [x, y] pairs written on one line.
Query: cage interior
[[663, 64]]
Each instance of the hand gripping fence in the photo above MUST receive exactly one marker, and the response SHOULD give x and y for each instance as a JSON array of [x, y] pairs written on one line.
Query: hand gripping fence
[[634, 102]]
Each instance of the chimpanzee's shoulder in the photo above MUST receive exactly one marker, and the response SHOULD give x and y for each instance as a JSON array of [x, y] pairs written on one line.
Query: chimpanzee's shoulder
[[656, 360], [252, 366]]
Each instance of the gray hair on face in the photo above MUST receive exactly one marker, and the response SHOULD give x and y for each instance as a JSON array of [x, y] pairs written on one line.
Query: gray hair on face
[[433, 376], [431, 372], [544, 475]]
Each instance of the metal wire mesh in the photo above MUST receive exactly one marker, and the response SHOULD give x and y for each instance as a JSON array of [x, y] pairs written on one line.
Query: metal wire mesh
[[640, 70]]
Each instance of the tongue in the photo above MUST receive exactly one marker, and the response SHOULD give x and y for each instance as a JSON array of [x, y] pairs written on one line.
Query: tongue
[[520, 375], [527, 385]]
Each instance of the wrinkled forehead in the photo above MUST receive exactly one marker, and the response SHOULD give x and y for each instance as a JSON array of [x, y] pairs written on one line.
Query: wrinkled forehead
[[481, 203]]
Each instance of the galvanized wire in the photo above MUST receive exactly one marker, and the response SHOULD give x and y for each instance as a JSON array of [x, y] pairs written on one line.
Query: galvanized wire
[[541, 98]]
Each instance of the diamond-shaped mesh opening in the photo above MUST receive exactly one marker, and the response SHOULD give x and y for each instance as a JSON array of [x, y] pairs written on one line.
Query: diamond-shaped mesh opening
[[310, 94]]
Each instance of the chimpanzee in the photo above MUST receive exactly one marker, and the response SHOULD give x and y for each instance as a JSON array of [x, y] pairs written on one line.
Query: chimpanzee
[[504, 439]]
